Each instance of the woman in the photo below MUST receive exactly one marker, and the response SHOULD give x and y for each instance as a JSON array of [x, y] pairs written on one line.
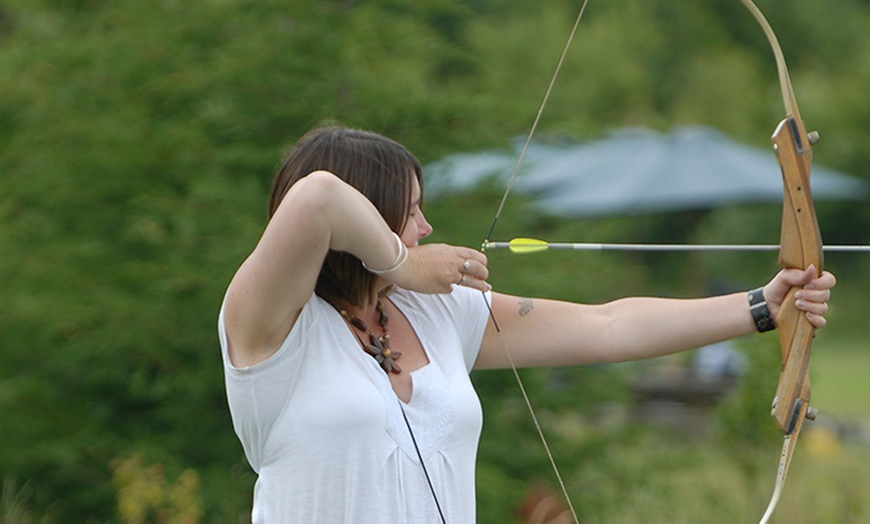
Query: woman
[[347, 345]]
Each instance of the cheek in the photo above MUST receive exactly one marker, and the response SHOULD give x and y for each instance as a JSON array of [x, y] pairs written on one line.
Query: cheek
[[409, 234], [415, 229]]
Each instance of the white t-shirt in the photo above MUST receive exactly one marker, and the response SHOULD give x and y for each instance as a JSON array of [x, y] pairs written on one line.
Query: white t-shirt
[[323, 429]]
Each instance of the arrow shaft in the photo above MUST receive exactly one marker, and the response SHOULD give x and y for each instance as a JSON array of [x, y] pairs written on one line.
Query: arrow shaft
[[589, 246]]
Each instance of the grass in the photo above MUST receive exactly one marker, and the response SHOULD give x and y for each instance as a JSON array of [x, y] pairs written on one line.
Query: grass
[[840, 362], [840, 370], [678, 482]]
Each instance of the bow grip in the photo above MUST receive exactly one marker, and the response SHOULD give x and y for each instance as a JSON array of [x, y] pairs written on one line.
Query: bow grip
[[800, 246]]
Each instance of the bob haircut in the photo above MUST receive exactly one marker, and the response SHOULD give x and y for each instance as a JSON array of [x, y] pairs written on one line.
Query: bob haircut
[[378, 167]]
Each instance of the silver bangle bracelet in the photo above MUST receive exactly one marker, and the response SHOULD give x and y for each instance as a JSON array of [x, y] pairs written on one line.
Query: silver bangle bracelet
[[400, 259]]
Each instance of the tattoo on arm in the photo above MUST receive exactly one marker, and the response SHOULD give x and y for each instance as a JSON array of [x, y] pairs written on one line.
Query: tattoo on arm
[[526, 306]]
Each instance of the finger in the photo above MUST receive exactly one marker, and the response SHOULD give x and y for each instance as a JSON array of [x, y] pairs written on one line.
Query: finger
[[787, 279], [475, 269], [816, 308], [813, 295], [824, 281], [818, 321], [475, 256], [476, 283], [799, 277]]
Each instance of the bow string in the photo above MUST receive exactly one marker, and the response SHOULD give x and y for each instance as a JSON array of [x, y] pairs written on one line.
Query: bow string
[[492, 316]]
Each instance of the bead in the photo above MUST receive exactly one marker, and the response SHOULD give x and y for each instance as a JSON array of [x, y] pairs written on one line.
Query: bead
[[378, 347], [359, 324]]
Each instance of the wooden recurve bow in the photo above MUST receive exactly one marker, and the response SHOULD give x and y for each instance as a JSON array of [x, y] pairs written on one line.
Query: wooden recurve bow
[[800, 247]]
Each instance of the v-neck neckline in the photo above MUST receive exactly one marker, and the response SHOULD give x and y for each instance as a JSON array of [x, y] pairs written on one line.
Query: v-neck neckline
[[359, 341]]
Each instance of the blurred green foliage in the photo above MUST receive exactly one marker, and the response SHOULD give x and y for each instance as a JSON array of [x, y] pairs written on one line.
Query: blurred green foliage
[[145, 496], [138, 141]]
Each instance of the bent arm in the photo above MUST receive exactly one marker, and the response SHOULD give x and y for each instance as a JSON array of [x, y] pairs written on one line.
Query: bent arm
[[320, 212]]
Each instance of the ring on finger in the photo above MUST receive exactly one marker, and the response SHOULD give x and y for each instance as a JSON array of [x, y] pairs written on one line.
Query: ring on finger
[[466, 266], [461, 280]]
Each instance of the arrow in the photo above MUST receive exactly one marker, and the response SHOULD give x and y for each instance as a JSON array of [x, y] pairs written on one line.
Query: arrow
[[532, 245]]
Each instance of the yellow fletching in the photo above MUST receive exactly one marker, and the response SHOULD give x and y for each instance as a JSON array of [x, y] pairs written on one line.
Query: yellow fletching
[[521, 246]]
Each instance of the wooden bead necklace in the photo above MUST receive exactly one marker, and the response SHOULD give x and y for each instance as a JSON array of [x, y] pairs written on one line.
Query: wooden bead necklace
[[377, 346]]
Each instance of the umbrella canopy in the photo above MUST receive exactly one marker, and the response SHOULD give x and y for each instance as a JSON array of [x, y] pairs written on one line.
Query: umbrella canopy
[[639, 170]]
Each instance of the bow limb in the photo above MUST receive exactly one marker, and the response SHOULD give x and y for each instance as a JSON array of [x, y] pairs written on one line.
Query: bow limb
[[800, 247]]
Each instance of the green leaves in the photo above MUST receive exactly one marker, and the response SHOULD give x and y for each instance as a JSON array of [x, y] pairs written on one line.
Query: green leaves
[[138, 141]]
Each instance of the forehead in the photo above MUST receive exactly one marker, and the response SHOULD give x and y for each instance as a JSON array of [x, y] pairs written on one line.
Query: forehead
[[415, 189]]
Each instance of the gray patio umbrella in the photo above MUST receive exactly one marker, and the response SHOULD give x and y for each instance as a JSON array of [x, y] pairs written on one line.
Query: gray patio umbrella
[[464, 171], [636, 170]]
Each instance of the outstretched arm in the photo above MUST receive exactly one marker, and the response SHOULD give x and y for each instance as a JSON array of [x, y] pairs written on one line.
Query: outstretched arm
[[541, 332]]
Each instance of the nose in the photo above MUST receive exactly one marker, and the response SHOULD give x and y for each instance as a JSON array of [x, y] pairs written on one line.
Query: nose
[[424, 229]]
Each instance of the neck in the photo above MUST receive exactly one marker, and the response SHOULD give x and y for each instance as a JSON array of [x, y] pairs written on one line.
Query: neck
[[370, 304]]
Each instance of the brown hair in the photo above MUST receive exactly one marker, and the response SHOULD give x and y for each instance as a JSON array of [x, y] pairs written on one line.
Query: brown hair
[[378, 167]]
